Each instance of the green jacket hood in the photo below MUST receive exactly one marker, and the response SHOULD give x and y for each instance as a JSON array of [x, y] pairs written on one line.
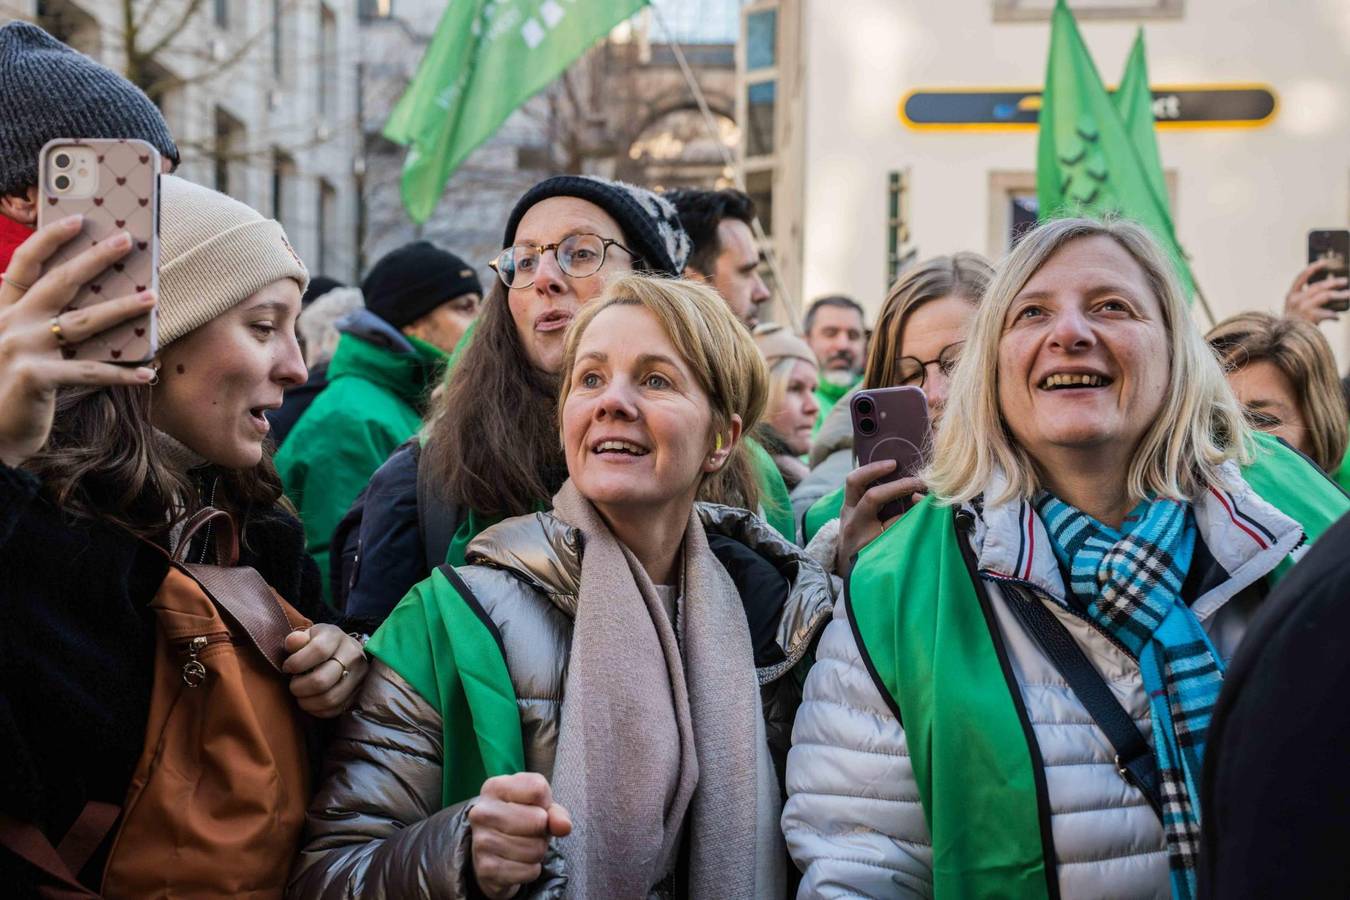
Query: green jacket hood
[[375, 351]]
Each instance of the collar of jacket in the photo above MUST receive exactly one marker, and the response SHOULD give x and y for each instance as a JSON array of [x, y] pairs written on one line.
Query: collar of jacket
[[372, 349], [545, 553], [1246, 535]]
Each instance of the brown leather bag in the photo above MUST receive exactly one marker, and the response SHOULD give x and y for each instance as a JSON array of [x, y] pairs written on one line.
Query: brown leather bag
[[217, 802]]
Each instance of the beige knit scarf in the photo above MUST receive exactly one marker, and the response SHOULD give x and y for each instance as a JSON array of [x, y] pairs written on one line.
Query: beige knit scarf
[[651, 743]]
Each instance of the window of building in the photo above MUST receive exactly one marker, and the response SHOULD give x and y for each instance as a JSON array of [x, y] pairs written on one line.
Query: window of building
[[1014, 210], [759, 185], [759, 120], [227, 154], [327, 61], [284, 42], [283, 189], [900, 251], [369, 10], [761, 39], [327, 232], [222, 13], [1039, 10]]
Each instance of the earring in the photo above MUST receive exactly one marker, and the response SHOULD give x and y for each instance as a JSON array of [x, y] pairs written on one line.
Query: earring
[[154, 364]]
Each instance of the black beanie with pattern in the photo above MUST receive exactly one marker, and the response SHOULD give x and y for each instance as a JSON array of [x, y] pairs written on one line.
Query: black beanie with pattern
[[49, 91]]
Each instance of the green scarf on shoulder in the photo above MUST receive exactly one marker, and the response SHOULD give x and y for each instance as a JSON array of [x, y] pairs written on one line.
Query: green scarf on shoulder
[[442, 643], [924, 629]]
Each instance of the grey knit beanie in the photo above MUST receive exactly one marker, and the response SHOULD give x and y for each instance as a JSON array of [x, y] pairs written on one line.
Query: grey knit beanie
[[49, 91], [214, 253], [650, 224]]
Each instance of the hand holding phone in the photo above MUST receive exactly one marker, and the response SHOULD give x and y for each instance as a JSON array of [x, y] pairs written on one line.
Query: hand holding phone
[[114, 186], [37, 365]]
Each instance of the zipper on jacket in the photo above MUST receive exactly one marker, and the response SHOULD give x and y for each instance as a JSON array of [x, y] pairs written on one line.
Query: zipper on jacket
[[1018, 583], [194, 672]]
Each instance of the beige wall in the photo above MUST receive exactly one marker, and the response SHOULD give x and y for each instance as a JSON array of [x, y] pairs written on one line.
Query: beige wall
[[1244, 199]]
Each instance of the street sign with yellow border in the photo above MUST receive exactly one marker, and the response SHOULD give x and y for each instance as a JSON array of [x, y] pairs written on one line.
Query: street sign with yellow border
[[1175, 107]]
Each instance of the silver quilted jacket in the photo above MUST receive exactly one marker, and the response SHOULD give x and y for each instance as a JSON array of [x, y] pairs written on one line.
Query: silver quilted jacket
[[853, 820], [376, 828]]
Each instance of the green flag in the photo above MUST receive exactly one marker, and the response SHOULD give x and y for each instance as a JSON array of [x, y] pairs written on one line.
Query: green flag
[[486, 59], [1134, 99], [1087, 161]]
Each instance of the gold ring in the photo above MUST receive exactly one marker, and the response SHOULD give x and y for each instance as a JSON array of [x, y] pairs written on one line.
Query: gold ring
[[345, 671], [15, 283], [56, 330]]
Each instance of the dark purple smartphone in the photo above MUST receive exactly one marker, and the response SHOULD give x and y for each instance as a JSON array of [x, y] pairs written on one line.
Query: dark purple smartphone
[[1331, 244], [891, 423]]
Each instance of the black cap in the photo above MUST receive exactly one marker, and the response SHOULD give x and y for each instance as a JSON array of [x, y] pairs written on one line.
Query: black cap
[[411, 281]]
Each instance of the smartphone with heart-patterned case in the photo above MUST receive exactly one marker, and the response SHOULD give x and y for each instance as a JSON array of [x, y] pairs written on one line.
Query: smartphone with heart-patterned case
[[114, 184]]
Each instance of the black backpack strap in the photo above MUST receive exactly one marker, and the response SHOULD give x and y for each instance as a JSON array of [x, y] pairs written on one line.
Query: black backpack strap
[[1134, 757], [437, 518]]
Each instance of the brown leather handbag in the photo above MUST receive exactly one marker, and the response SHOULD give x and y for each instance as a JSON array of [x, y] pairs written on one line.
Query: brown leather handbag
[[217, 802]]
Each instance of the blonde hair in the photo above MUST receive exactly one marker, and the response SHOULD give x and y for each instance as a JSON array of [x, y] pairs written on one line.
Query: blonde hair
[[1199, 427], [1300, 351], [719, 352], [965, 275]]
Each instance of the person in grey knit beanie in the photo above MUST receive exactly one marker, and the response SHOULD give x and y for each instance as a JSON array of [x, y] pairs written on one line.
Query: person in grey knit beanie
[[50, 91]]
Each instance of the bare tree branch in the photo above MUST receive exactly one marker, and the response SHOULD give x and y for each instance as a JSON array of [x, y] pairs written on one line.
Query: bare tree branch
[[190, 10]]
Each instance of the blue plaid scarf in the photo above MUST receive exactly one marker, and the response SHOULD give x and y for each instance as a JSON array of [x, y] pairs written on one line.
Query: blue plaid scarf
[[1129, 584]]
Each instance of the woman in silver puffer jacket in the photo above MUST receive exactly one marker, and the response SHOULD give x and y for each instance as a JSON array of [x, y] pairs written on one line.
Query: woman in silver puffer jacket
[[599, 703]]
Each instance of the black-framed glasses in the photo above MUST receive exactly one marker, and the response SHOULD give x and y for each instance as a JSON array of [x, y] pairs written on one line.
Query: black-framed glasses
[[578, 255], [911, 371]]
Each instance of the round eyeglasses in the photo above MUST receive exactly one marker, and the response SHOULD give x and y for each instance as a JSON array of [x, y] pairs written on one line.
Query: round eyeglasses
[[912, 371], [578, 255]]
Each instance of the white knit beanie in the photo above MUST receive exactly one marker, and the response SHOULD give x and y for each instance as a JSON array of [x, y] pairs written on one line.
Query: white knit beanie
[[214, 253]]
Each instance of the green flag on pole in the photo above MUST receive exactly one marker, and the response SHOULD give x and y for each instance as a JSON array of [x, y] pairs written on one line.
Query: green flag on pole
[[486, 59], [1088, 162], [1134, 99]]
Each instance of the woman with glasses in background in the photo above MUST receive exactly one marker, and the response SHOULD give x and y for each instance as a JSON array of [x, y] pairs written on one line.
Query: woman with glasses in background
[[917, 341], [491, 449]]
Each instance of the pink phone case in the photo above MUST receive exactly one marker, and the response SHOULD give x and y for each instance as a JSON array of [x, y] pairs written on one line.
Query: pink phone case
[[126, 199], [891, 423]]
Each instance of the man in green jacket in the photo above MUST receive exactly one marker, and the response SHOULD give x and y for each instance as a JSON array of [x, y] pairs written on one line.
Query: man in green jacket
[[419, 301], [836, 330]]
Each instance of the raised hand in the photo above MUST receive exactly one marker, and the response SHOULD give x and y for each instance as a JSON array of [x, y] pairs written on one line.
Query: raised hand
[[34, 331], [1308, 301], [859, 518]]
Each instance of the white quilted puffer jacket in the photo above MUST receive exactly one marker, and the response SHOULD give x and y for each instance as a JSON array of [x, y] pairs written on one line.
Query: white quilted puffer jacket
[[853, 820]]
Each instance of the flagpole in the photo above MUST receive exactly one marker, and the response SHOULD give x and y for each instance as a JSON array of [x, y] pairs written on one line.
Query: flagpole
[[710, 123], [1204, 304]]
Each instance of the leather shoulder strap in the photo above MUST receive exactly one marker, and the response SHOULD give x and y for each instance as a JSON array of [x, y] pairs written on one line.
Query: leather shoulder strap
[[1134, 757], [60, 864], [221, 528], [242, 594]]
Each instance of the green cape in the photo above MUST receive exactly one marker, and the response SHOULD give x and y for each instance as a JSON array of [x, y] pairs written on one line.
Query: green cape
[[928, 637]]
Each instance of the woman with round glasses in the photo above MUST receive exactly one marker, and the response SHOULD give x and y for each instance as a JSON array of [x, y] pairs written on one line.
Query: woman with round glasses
[[490, 449], [917, 341]]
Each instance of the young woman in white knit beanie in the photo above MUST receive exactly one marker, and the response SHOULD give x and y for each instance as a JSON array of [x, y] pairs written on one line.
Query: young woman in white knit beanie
[[98, 462]]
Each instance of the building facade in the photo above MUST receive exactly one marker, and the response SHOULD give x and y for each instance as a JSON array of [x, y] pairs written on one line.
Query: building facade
[[260, 95], [882, 131]]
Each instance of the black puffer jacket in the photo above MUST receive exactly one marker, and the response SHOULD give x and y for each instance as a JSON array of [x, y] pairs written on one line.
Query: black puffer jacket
[[77, 649]]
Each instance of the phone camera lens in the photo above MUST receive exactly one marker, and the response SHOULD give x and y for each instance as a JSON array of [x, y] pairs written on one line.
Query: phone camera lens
[[62, 182], [864, 406], [61, 160], [867, 426]]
